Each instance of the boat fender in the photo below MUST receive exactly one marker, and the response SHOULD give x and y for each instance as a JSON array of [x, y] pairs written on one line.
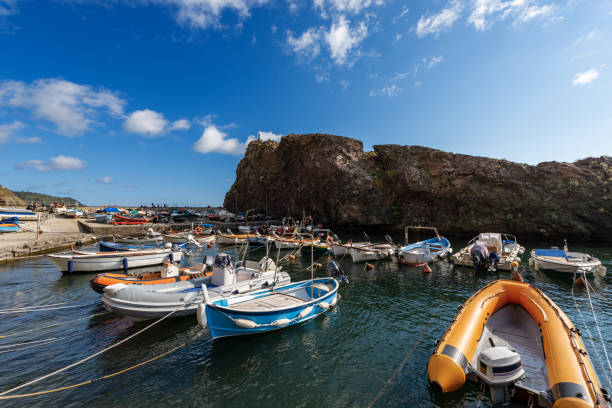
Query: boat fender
[[334, 301], [202, 320], [323, 305], [209, 245], [246, 323], [305, 312], [292, 257], [70, 266], [329, 240], [205, 296], [369, 266], [114, 288], [426, 269], [281, 322], [125, 264]]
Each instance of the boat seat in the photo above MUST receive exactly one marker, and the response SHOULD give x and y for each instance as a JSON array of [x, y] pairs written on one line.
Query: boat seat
[[269, 302], [251, 265]]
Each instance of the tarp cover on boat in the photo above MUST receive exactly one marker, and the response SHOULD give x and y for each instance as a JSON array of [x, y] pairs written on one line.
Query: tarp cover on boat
[[110, 210], [556, 253]]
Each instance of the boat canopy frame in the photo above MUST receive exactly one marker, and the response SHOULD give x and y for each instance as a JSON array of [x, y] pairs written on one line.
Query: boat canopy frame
[[420, 227]]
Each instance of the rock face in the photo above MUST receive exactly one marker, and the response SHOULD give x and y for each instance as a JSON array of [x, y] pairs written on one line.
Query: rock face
[[335, 181], [7, 198]]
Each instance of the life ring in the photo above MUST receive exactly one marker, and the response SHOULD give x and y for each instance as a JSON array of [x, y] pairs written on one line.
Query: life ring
[[198, 230], [329, 240]]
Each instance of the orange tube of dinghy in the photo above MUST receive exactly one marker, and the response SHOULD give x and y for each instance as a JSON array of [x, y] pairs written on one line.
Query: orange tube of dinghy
[[570, 374]]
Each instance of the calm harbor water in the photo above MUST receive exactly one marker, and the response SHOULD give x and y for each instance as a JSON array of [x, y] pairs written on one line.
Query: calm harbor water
[[371, 350]]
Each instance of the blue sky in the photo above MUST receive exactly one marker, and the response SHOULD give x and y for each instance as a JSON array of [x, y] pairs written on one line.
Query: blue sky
[[142, 101]]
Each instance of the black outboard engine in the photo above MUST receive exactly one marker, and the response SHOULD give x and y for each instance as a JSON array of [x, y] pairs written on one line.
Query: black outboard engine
[[337, 272], [479, 255], [478, 262]]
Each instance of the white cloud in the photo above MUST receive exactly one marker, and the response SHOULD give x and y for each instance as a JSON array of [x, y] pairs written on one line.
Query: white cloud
[[203, 14], [56, 163], [436, 23], [8, 129], [145, 122], [344, 6], [390, 91], [71, 107], [306, 45], [214, 140], [181, 124], [586, 77], [105, 180], [341, 39], [28, 140], [434, 61], [401, 15], [486, 12]]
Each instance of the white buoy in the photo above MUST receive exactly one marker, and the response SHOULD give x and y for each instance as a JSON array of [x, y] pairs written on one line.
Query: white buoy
[[323, 305], [281, 322], [305, 312], [334, 301], [246, 323], [202, 320]]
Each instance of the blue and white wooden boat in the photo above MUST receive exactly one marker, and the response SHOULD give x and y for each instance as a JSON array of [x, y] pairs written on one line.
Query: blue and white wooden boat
[[22, 215], [268, 310], [425, 251], [116, 246]]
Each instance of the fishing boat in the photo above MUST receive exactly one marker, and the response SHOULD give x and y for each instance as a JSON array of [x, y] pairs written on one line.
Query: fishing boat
[[514, 340], [268, 310], [293, 242], [85, 261], [490, 249], [372, 252], [9, 227], [104, 218], [169, 273], [566, 263], [73, 213], [426, 251], [118, 246], [231, 239], [138, 302]]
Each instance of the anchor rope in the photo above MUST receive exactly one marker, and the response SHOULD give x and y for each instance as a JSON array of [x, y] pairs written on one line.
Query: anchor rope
[[590, 335], [87, 358], [41, 308], [116, 373], [51, 325], [603, 344], [27, 345]]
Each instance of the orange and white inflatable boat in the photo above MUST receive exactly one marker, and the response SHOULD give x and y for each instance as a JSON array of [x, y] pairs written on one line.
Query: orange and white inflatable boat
[[515, 339]]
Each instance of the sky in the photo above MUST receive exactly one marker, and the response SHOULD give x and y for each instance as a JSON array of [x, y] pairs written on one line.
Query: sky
[[141, 101]]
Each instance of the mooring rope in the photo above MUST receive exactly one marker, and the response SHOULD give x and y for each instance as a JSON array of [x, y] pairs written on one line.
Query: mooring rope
[[405, 360], [589, 334], [603, 344], [40, 308], [116, 373], [87, 358], [27, 345]]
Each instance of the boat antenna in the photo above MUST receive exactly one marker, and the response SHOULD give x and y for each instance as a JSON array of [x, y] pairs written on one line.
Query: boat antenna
[[276, 268]]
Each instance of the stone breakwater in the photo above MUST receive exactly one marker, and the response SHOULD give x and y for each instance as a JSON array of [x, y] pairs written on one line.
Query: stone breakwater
[[333, 179]]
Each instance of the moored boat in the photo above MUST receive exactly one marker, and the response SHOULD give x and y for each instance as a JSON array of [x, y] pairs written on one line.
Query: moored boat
[[267, 310], [370, 252], [490, 249], [104, 218], [566, 263], [339, 248], [514, 340], [9, 227], [426, 251], [118, 246], [293, 242], [84, 261], [19, 213], [73, 213], [231, 239], [138, 302]]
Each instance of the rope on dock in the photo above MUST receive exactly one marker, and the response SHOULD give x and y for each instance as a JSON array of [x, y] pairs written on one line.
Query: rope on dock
[[405, 360], [86, 358], [51, 325], [116, 373]]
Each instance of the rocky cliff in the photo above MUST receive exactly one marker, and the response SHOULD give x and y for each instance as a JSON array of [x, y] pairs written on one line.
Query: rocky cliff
[[8, 198], [338, 183]]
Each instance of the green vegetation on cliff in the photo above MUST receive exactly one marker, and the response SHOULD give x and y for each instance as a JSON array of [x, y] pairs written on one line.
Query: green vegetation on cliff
[[29, 196]]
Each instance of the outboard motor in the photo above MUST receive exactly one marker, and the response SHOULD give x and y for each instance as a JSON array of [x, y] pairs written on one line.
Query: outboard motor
[[479, 255], [337, 272], [223, 272], [500, 368]]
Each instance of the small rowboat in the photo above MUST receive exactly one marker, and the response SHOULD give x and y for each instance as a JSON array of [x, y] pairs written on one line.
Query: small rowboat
[[267, 310], [103, 280], [426, 251], [232, 239], [84, 261], [117, 246], [150, 238], [513, 339], [9, 227], [566, 263], [371, 252], [339, 249], [73, 213], [292, 243]]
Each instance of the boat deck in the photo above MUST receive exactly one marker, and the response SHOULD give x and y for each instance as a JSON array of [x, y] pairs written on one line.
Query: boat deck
[[273, 301], [513, 327]]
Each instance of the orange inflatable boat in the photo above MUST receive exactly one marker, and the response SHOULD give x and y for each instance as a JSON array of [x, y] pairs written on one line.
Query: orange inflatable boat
[[103, 280], [515, 340]]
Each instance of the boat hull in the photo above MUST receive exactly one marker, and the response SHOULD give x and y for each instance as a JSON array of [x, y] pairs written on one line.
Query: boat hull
[[566, 268], [223, 239], [110, 261], [374, 253]]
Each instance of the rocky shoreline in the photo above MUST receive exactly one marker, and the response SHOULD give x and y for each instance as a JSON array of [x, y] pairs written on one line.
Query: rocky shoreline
[[333, 179]]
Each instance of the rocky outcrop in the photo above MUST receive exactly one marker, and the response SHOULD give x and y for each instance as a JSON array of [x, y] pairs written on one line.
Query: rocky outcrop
[[333, 179], [8, 198]]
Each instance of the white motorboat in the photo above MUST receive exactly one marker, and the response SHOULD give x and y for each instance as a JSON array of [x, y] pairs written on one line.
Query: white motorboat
[[492, 249], [371, 252], [85, 261], [564, 262], [142, 302]]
